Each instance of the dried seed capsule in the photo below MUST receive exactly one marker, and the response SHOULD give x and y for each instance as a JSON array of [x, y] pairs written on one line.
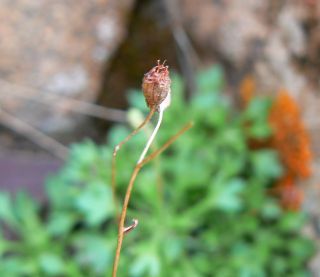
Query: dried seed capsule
[[156, 86]]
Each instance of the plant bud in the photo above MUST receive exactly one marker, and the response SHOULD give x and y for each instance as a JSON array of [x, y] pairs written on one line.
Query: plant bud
[[156, 87]]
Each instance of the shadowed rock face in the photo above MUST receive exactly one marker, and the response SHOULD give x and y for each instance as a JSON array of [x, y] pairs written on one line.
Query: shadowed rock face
[[27, 172], [56, 47], [276, 41]]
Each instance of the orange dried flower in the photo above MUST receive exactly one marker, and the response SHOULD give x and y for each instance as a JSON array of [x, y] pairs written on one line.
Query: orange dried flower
[[290, 137], [247, 89]]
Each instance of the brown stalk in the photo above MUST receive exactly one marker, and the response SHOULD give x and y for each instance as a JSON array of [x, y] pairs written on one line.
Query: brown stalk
[[121, 229], [115, 151]]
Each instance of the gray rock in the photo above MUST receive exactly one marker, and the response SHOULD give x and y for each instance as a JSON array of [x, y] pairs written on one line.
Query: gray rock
[[59, 48]]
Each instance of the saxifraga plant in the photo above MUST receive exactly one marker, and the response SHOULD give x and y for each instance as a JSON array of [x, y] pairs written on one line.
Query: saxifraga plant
[[156, 89], [213, 215]]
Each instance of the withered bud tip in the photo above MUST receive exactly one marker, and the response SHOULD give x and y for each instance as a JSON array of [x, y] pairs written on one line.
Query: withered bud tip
[[156, 86]]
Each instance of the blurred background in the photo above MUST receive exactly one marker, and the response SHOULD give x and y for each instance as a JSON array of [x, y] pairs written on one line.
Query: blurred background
[[67, 70]]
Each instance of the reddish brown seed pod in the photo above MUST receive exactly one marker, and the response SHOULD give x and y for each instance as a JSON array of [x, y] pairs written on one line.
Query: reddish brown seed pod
[[156, 86]]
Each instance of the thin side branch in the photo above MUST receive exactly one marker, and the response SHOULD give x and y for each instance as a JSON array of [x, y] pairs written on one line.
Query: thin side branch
[[136, 170], [39, 138], [168, 143], [115, 151]]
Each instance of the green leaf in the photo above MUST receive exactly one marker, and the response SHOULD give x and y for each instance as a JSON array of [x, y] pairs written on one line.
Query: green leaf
[[117, 134], [210, 80], [257, 110], [136, 100], [16, 266], [228, 198], [84, 154], [147, 264], [301, 249], [61, 223], [259, 130], [51, 265], [93, 251], [266, 164], [271, 210], [26, 211], [291, 222], [173, 248], [6, 213], [95, 203]]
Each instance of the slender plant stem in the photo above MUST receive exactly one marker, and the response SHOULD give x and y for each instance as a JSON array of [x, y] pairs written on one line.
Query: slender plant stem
[[115, 151], [153, 135], [167, 144], [122, 219], [129, 190]]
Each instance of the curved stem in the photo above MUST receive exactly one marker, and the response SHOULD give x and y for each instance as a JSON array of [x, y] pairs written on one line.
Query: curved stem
[[167, 144], [115, 151], [122, 219], [150, 140], [129, 190]]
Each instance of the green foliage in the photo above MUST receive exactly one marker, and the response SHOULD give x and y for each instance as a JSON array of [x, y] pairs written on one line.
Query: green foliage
[[203, 205]]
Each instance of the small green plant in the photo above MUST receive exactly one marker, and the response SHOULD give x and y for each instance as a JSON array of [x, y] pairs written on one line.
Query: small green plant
[[157, 92], [204, 206]]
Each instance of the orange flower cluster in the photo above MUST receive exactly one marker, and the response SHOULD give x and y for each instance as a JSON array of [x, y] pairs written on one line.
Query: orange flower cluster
[[247, 89], [290, 137], [291, 141]]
